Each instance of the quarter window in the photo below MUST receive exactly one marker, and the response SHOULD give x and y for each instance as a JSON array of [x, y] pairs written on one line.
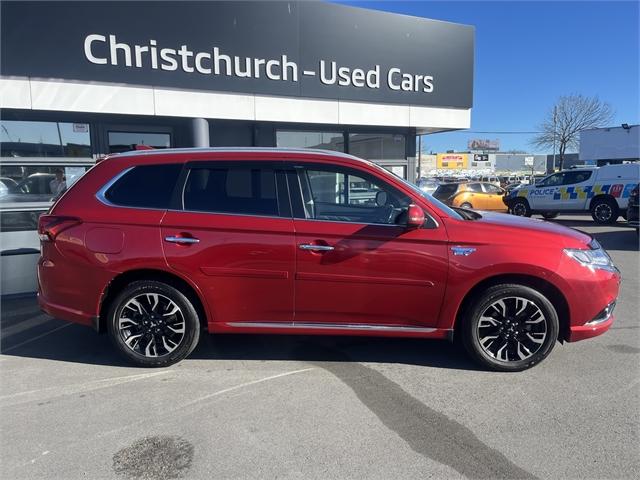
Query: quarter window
[[342, 195], [240, 190], [146, 186]]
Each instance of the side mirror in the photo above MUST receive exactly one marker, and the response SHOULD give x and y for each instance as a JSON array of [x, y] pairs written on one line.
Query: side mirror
[[415, 216]]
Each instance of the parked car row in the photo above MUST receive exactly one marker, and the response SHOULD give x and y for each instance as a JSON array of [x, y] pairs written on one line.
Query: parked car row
[[606, 192]]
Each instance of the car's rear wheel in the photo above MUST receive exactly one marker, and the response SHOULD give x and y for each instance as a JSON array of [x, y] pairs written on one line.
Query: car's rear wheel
[[466, 205], [549, 215], [509, 328], [153, 324], [604, 211], [520, 207]]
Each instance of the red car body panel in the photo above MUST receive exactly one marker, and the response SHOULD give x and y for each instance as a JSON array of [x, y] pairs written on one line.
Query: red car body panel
[[248, 269]]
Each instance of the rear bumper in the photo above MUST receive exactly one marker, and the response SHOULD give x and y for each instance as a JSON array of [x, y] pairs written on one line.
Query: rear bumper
[[65, 313]]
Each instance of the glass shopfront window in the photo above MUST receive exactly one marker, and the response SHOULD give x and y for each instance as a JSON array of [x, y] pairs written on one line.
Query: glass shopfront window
[[44, 139], [24, 221], [125, 141], [377, 146], [399, 170], [323, 140], [26, 182]]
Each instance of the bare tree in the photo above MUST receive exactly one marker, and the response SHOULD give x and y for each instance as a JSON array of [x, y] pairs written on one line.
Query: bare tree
[[567, 118]]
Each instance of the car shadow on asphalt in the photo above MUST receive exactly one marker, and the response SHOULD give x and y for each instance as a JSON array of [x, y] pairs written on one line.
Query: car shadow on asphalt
[[59, 341], [314, 348]]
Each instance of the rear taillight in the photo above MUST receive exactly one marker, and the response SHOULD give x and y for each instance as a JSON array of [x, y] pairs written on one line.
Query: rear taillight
[[50, 226]]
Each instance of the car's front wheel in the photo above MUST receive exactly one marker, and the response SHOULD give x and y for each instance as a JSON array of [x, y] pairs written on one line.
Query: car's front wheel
[[466, 205], [153, 324], [509, 328]]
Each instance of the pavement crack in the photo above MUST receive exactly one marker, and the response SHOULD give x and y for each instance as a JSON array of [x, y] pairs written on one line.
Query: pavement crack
[[427, 431]]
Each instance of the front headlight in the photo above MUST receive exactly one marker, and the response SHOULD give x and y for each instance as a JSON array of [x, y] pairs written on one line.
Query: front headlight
[[594, 258]]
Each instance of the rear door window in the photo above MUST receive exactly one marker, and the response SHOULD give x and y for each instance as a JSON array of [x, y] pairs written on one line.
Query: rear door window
[[570, 178], [229, 189], [145, 186], [474, 187], [491, 188]]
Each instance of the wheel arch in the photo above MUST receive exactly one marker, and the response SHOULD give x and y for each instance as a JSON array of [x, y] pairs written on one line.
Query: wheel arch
[[120, 281], [603, 196], [545, 287]]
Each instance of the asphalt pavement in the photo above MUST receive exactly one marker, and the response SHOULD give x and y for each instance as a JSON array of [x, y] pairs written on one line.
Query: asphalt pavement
[[320, 407]]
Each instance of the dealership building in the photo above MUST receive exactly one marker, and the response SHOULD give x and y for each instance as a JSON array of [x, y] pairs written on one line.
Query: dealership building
[[79, 80]]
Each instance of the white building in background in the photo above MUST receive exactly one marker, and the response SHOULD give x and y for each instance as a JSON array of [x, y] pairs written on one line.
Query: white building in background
[[599, 146]]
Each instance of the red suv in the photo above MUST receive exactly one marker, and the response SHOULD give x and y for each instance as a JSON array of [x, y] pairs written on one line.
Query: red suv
[[154, 246]]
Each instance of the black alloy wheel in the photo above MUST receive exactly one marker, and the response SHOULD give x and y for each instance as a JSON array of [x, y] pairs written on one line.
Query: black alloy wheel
[[153, 324], [520, 208], [510, 328], [604, 211]]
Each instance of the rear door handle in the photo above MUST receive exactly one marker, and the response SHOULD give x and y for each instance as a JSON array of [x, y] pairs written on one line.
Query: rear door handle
[[315, 248], [182, 240]]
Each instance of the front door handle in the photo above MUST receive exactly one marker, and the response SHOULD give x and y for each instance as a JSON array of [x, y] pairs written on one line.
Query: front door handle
[[182, 240], [315, 248]]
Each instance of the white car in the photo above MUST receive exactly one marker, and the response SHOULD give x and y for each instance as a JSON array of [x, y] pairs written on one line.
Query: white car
[[603, 191]]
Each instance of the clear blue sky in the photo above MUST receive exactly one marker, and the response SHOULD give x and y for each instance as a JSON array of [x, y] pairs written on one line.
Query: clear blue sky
[[530, 53]]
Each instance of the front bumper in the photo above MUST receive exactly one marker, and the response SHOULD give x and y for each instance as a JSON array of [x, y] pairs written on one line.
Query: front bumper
[[600, 324]]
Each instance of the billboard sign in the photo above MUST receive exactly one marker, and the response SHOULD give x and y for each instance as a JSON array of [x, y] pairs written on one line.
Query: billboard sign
[[452, 161], [483, 144]]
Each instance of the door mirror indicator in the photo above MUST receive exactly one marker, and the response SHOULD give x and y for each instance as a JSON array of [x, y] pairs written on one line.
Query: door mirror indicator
[[415, 216]]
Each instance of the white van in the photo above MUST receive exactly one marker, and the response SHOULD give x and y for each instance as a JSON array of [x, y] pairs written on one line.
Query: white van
[[604, 191]]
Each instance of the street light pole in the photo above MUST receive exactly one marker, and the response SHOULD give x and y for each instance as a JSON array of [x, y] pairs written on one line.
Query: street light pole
[[555, 110]]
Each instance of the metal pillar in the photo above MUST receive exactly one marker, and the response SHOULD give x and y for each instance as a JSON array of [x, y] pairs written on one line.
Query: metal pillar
[[200, 132]]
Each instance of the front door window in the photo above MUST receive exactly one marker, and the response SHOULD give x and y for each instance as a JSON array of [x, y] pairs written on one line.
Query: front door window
[[341, 195]]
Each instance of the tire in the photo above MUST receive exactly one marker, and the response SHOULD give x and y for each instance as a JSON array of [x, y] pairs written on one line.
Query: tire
[[549, 215], [520, 208], [466, 205], [171, 337], [520, 342], [604, 211]]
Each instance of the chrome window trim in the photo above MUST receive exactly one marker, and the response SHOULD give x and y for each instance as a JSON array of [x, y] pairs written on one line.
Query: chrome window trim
[[227, 214], [100, 194], [334, 326]]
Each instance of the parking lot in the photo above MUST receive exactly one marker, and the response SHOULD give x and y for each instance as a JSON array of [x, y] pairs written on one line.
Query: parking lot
[[320, 407]]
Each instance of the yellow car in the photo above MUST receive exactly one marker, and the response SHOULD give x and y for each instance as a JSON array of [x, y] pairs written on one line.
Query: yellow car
[[477, 195]]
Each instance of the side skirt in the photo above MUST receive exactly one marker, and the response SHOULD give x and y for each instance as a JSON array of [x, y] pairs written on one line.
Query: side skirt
[[290, 328]]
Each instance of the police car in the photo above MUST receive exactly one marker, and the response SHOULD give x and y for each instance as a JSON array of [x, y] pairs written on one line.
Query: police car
[[603, 191]]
